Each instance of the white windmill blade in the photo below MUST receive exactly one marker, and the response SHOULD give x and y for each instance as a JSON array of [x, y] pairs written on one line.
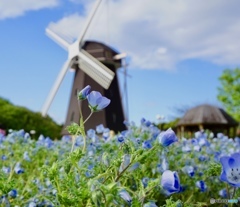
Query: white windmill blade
[[95, 69], [89, 20], [59, 40], [56, 86]]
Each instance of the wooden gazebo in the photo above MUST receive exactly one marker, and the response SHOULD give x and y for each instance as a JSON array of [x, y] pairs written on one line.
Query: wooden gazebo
[[207, 117]]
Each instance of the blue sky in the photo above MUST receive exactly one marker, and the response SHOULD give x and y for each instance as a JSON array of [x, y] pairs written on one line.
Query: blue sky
[[176, 49]]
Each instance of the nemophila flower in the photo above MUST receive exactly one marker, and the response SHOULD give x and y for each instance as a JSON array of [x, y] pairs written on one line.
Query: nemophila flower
[[20, 133], [48, 142], [120, 138], [197, 148], [201, 185], [200, 134], [27, 136], [231, 169], [97, 102], [168, 137], [13, 193], [189, 170], [32, 204], [4, 157], [186, 148], [125, 162], [66, 138], [4, 201], [91, 133], [100, 128], [165, 164], [125, 196], [145, 182], [106, 133], [223, 193], [147, 144], [150, 204], [133, 167], [18, 169], [170, 182], [145, 122], [202, 141], [6, 170], [82, 95], [26, 156], [220, 135]]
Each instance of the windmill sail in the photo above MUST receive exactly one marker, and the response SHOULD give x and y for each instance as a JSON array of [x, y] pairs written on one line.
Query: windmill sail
[[95, 69], [85, 57]]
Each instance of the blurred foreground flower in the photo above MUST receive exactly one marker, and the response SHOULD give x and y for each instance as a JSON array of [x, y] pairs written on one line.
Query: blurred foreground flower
[[231, 169], [170, 182], [168, 137]]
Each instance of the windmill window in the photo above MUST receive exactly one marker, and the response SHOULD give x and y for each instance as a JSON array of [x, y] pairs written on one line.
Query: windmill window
[[72, 116], [76, 92]]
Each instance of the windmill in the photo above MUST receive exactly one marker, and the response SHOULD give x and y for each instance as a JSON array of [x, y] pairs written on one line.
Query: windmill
[[94, 64]]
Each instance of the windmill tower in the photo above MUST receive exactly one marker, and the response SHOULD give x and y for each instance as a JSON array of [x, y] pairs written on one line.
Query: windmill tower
[[95, 64]]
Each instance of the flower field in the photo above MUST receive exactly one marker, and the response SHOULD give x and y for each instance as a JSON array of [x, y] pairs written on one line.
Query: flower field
[[139, 167]]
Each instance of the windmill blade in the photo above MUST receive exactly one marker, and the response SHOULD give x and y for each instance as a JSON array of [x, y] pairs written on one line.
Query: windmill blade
[[95, 69], [59, 40], [89, 20], [56, 86]]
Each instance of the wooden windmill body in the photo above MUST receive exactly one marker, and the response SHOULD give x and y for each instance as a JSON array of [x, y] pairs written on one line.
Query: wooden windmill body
[[95, 64], [112, 116]]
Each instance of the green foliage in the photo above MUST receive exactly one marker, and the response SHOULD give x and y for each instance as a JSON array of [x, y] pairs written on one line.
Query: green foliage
[[228, 93], [172, 124], [16, 117], [214, 170]]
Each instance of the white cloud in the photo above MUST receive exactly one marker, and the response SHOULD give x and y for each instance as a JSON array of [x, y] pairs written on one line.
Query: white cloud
[[10, 9], [158, 34]]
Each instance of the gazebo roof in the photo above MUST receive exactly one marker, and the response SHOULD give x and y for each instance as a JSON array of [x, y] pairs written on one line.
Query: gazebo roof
[[207, 114]]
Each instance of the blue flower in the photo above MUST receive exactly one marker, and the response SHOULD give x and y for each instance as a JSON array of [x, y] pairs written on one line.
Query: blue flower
[[120, 138], [97, 102], [26, 156], [18, 169], [231, 169], [125, 196], [13, 193], [150, 204], [145, 182], [168, 137], [201, 185], [125, 162], [100, 128], [82, 95], [223, 193], [4, 157], [170, 182], [189, 170], [6, 170], [147, 144]]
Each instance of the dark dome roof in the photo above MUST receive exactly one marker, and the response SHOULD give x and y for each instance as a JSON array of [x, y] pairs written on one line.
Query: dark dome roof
[[207, 114]]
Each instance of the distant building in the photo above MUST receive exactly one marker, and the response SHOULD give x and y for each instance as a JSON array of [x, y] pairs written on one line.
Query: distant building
[[207, 117]]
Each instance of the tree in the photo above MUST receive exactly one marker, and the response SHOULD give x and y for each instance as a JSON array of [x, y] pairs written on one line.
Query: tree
[[16, 117], [229, 92]]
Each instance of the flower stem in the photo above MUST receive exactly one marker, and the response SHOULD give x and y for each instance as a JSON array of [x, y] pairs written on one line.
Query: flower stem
[[88, 117], [73, 142], [120, 174], [234, 191], [228, 193]]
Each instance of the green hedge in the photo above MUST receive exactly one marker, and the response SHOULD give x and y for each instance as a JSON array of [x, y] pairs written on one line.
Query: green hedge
[[16, 118]]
